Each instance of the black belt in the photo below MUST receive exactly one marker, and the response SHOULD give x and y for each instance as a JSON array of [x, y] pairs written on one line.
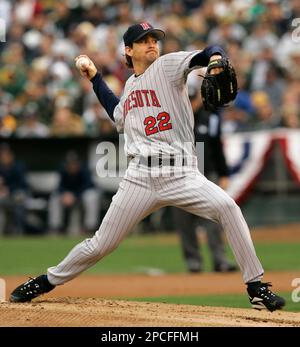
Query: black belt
[[160, 162]]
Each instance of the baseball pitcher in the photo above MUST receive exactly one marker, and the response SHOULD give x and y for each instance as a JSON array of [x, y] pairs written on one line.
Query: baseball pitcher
[[155, 115]]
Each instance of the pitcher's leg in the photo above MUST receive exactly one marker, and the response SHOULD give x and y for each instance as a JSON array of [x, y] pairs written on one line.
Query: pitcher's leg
[[206, 199], [131, 204]]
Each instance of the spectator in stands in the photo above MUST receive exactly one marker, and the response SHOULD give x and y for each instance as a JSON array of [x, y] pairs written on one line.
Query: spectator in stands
[[13, 191], [8, 125], [274, 86], [95, 119], [265, 117], [236, 117], [290, 116], [31, 126], [76, 189], [227, 29], [43, 37], [66, 123]]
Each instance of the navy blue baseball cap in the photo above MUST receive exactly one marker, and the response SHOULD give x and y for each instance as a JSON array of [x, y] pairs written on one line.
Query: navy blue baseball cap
[[137, 31]]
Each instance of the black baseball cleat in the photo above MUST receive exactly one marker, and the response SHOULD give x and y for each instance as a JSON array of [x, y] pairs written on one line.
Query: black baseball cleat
[[31, 289], [261, 297]]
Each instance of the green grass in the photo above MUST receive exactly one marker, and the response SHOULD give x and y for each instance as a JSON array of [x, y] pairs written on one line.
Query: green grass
[[33, 255], [279, 256], [228, 300]]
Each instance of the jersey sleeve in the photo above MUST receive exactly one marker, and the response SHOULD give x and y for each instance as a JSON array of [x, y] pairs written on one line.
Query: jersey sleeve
[[118, 117], [177, 66], [119, 110]]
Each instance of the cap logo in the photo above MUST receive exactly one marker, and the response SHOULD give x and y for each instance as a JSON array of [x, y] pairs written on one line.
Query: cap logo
[[145, 26]]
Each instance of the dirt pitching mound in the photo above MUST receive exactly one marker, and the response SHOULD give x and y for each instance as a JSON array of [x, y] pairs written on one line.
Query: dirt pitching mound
[[72, 304], [93, 312]]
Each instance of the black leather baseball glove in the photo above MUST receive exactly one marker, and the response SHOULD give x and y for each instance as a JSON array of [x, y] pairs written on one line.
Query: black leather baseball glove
[[220, 89]]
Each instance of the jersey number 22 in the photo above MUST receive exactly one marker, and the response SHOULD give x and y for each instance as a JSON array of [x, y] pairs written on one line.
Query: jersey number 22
[[160, 123]]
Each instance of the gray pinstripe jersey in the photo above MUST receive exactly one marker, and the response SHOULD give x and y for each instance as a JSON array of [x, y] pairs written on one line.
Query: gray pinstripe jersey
[[154, 115]]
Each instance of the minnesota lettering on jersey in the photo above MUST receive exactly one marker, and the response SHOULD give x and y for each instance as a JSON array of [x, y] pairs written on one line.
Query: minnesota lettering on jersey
[[140, 98]]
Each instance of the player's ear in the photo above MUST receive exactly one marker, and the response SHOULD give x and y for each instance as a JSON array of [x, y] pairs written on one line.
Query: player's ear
[[128, 50]]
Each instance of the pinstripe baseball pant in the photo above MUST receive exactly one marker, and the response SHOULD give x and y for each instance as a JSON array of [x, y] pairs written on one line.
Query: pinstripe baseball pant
[[138, 196]]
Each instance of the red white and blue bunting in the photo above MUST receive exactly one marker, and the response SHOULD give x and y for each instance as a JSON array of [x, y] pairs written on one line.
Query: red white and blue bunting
[[290, 145], [247, 153]]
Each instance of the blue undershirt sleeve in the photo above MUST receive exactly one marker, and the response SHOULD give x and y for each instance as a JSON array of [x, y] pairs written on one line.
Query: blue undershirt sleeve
[[202, 58], [106, 97]]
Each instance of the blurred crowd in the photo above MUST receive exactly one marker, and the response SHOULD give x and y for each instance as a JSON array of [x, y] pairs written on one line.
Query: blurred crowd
[[43, 95], [74, 193]]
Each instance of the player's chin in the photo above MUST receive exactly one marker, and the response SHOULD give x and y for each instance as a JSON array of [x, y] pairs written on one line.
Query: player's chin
[[152, 56]]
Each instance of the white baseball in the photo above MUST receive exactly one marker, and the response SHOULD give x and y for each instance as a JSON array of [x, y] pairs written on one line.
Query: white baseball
[[82, 63]]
